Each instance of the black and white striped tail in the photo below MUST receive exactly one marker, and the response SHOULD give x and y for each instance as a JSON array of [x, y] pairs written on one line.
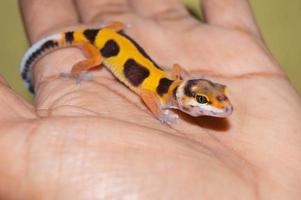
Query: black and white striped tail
[[34, 53]]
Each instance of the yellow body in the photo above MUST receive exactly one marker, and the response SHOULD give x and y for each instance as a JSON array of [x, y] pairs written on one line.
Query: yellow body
[[127, 50]]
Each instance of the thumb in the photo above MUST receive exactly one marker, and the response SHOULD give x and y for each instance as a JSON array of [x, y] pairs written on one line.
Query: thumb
[[13, 106]]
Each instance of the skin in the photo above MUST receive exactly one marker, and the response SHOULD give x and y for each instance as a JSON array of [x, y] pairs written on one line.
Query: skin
[[97, 140]]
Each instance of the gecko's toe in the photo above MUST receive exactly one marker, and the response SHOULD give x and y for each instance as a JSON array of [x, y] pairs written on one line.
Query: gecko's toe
[[169, 117], [84, 76]]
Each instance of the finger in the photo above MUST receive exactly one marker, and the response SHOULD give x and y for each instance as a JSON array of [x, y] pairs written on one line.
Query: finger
[[103, 10], [13, 107], [43, 16], [167, 9], [234, 14]]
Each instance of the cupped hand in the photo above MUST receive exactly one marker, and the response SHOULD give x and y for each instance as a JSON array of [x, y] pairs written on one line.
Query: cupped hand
[[97, 140]]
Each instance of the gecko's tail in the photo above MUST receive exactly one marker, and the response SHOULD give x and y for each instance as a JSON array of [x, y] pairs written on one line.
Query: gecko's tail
[[37, 51]]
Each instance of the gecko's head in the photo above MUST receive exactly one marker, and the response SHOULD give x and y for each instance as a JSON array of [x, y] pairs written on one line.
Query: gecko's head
[[202, 97]]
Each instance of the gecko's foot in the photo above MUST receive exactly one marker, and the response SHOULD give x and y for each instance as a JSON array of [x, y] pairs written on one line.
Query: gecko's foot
[[82, 76], [168, 117]]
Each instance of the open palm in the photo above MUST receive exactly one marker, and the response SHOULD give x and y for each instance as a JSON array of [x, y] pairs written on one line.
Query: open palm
[[97, 140]]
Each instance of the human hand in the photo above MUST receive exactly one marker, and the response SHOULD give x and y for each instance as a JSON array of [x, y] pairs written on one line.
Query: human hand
[[97, 140]]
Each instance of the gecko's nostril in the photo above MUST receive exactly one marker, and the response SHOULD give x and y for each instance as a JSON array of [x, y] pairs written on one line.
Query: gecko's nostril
[[221, 98]]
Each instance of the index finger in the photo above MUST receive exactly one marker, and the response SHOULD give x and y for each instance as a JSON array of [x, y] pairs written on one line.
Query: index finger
[[43, 16]]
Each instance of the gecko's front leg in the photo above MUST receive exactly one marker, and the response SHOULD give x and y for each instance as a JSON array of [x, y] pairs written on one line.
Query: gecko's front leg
[[165, 115]]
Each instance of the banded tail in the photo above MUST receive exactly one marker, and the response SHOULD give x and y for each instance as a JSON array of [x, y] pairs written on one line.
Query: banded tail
[[37, 51], [45, 45], [42, 47]]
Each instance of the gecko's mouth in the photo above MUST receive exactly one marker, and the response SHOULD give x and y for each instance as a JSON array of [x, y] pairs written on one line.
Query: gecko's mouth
[[221, 112], [206, 110]]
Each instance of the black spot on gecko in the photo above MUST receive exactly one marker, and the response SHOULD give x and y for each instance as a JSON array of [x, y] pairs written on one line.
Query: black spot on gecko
[[45, 46], [69, 36], [91, 34], [31, 88], [111, 48], [32, 58], [24, 74], [139, 48], [134, 72], [163, 86], [188, 86]]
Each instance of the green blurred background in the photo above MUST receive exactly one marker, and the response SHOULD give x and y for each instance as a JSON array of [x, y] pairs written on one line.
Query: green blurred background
[[280, 22]]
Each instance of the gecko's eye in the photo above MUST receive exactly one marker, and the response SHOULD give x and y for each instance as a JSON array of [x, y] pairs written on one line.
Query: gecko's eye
[[201, 99]]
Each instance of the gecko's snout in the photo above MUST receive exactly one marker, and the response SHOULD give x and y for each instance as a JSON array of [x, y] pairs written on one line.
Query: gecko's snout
[[227, 111]]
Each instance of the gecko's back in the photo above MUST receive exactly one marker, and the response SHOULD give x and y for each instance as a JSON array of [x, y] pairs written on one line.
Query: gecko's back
[[128, 61], [120, 54]]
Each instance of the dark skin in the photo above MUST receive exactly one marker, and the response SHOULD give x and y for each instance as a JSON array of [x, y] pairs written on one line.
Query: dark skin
[[97, 139]]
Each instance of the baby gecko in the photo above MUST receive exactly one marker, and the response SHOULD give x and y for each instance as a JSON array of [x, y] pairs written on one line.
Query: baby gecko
[[159, 90]]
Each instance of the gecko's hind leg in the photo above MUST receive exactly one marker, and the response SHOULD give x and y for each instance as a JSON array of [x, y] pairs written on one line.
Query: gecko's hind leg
[[177, 72], [80, 71]]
